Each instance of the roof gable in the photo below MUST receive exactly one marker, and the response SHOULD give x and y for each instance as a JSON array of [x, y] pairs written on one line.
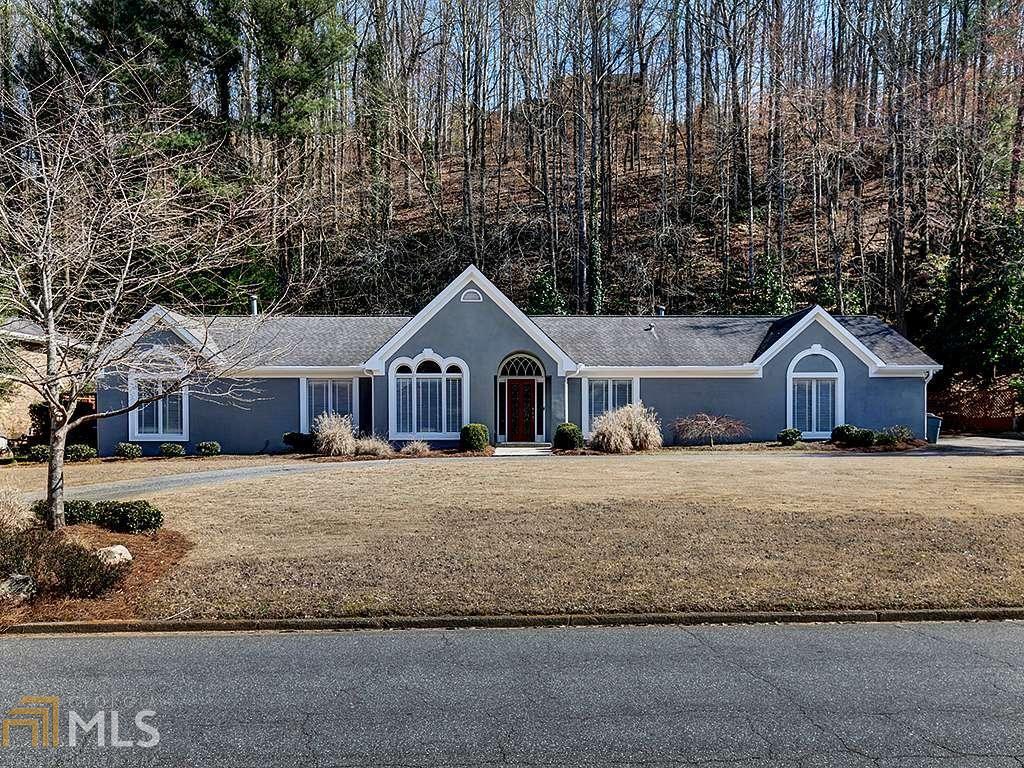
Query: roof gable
[[470, 277]]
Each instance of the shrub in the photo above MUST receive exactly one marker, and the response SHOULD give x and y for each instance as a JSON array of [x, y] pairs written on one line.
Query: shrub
[[475, 437], [416, 448], [333, 435], [172, 450], [208, 448], [56, 563], [78, 572], [14, 514], [708, 426], [75, 511], [844, 434], [568, 437], [79, 452], [864, 438], [128, 516], [886, 439], [39, 453], [611, 434], [374, 446], [901, 433], [128, 451], [789, 436], [298, 441]]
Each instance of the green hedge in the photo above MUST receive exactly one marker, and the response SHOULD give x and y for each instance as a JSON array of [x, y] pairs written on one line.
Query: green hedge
[[208, 448], [568, 437], [789, 436], [120, 516], [128, 451], [79, 452], [298, 441], [171, 450], [475, 437], [39, 454]]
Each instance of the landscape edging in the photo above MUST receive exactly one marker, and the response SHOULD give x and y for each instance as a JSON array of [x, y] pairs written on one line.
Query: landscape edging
[[510, 621]]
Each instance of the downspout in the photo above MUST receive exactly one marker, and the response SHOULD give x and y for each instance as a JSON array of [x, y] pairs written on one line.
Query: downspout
[[927, 377]]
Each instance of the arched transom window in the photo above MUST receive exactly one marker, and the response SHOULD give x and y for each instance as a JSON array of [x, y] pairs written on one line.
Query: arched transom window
[[521, 365], [815, 398], [429, 397]]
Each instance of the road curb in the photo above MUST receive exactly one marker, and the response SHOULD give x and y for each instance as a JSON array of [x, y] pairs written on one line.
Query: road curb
[[520, 621]]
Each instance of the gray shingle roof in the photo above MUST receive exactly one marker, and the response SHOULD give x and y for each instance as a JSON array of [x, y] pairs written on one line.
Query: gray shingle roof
[[594, 340], [22, 328]]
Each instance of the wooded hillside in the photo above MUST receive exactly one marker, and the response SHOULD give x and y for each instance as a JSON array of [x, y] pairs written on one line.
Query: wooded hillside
[[596, 156]]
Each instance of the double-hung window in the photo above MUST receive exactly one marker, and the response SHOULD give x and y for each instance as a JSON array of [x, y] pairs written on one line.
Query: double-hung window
[[607, 395], [164, 418], [329, 396]]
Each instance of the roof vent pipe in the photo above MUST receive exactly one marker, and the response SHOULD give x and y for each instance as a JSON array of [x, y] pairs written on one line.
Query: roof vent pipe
[[659, 310], [254, 307]]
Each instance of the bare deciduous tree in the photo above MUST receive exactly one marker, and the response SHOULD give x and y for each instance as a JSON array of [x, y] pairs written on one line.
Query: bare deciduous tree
[[101, 219]]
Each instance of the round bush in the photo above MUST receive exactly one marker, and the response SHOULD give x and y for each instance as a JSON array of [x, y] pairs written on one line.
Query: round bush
[[172, 450], [900, 433], [568, 437], [208, 448], [75, 511], [39, 453], [789, 436], [298, 441], [887, 439], [475, 437], [845, 434], [128, 516], [864, 438], [128, 451], [79, 452]]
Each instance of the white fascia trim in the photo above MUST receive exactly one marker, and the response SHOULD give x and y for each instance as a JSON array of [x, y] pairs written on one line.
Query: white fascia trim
[[819, 315], [469, 275], [299, 371], [839, 374], [744, 371], [908, 371], [178, 324]]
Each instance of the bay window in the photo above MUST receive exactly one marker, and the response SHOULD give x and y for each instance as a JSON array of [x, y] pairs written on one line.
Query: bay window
[[428, 399]]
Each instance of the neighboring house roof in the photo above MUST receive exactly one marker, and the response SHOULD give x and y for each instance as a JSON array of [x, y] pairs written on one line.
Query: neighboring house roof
[[22, 330]]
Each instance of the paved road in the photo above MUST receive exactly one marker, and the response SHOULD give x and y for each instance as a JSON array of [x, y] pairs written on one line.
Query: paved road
[[825, 695]]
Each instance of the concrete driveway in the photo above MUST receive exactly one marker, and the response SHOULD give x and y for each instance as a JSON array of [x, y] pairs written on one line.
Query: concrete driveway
[[889, 695], [976, 445]]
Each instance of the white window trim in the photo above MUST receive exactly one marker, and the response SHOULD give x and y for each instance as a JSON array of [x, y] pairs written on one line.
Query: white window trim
[[471, 296], [134, 435], [839, 375], [443, 363], [634, 398], [305, 420]]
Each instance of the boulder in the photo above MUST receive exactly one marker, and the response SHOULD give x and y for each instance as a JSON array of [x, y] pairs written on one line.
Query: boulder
[[114, 555], [17, 587]]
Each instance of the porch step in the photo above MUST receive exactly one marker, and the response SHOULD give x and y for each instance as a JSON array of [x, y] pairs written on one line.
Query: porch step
[[523, 449]]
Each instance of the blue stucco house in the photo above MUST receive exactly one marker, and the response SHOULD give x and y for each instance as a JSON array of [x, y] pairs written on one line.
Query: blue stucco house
[[471, 355]]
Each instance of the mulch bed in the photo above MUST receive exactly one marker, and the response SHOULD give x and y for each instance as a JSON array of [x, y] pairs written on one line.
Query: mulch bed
[[154, 554]]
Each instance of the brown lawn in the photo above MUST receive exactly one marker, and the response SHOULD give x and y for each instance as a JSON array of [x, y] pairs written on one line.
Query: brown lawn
[[32, 477], [670, 531]]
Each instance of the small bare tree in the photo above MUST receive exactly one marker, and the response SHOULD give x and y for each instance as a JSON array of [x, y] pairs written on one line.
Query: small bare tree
[[708, 426], [104, 214]]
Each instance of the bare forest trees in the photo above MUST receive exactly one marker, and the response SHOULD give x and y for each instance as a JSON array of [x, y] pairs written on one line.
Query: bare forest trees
[[596, 155]]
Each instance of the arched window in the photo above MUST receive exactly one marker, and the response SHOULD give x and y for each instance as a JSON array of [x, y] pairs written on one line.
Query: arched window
[[815, 397], [472, 296], [521, 365], [429, 397]]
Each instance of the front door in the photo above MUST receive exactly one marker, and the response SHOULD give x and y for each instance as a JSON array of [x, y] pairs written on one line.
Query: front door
[[521, 410]]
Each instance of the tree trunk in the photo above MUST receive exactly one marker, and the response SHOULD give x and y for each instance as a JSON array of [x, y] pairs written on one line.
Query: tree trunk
[[55, 477]]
